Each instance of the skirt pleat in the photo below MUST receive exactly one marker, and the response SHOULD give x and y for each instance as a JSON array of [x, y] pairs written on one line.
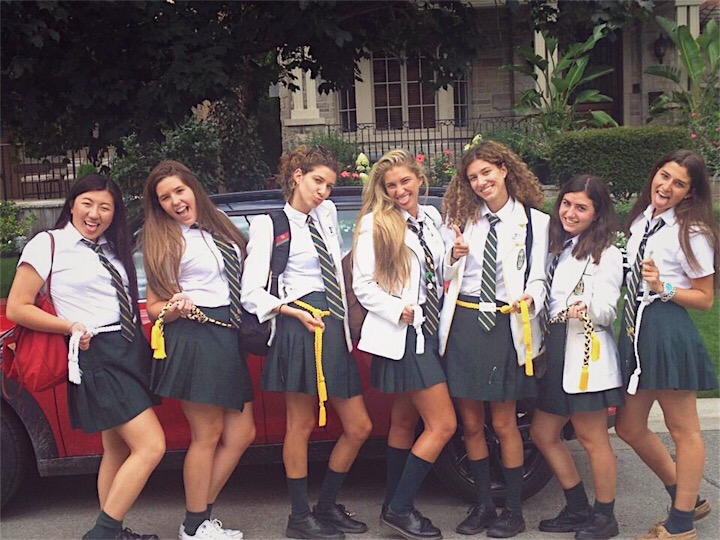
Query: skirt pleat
[[672, 351], [413, 371], [551, 396], [115, 384], [482, 364], [204, 363], [290, 364]]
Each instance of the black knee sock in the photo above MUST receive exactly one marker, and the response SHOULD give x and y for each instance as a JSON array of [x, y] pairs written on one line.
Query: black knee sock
[[330, 488], [513, 483], [209, 510], [607, 509], [576, 498], [105, 528], [416, 469], [480, 470], [680, 521], [395, 464], [298, 488], [193, 520]]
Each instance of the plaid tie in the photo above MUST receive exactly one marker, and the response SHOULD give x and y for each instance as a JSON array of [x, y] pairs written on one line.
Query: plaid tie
[[432, 302], [329, 274], [127, 326], [232, 272], [487, 289], [545, 317], [633, 282]]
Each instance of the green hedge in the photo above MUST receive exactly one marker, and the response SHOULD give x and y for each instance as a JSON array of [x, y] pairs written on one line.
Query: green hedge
[[623, 156]]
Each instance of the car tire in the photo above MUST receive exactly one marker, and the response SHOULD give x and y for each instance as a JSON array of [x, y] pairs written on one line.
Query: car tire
[[15, 455], [452, 467]]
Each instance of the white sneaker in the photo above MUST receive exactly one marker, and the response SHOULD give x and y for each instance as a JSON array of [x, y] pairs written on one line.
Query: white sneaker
[[234, 534], [210, 530]]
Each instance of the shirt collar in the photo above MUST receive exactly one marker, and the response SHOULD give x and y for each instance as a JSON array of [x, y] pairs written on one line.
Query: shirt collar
[[668, 216], [504, 213], [75, 237], [296, 216], [419, 219]]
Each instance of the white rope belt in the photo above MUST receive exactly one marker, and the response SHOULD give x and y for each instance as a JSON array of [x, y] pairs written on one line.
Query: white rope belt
[[74, 372], [645, 300]]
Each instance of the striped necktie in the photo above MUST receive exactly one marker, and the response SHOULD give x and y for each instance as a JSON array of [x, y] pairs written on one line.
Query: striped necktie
[[329, 273], [232, 272], [545, 317], [489, 271], [633, 282], [432, 302], [127, 326]]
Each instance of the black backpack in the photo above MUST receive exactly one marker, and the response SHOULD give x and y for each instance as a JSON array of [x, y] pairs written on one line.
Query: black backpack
[[254, 335]]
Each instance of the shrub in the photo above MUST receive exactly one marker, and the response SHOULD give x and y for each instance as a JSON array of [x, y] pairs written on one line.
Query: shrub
[[623, 156], [12, 227], [85, 169]]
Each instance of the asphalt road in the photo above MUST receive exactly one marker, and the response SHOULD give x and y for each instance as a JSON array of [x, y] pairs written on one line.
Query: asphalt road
[[255, 501]]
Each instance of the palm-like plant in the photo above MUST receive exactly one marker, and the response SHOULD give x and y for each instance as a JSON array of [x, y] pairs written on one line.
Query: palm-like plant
[[698, 104], [556, 103]]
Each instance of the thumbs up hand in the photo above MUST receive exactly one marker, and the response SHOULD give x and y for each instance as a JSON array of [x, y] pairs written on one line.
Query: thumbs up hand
[[460, 247]]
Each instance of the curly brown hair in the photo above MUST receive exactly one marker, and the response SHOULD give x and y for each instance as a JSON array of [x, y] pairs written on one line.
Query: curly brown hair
[[306, 159], [461, 204]]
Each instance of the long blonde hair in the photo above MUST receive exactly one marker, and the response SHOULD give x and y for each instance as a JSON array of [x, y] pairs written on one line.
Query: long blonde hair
[[162, 239], [392, 256], [461, 204]]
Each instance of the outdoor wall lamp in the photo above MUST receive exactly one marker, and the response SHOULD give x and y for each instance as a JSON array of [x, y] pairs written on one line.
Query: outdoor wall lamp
[[660, 47]]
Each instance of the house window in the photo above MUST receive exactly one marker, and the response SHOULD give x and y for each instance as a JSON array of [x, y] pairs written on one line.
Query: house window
[[400, 96], [460, 89], [348, 110]]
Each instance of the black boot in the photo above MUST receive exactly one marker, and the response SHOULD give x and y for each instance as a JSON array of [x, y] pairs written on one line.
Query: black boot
[[414, 526], [566, 521], [478, 519]]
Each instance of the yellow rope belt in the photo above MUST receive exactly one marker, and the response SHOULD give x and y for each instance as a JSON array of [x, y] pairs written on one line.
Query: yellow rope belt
[[592, 344], [526, 328], [157, 335], [321, 385]]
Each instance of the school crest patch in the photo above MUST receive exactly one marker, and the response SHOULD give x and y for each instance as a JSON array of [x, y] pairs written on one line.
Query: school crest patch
[[521, 259]]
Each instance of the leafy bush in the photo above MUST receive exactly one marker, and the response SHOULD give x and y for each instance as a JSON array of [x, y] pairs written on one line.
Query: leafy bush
[[345, 152], [241, 152], [193, 143], [85, 169], [623, 156], [12, 227]]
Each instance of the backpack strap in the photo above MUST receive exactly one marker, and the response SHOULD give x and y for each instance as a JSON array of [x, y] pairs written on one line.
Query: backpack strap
[[281, 247], [528, 241]]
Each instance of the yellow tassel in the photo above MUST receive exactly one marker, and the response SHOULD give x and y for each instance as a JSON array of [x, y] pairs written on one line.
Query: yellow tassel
[[595, 349], [584, 375], [527, 337], [507, 308], [157, 341], [322, 420]]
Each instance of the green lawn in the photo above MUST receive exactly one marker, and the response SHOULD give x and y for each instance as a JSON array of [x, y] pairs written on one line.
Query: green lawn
[[708, 322], [7, 272]]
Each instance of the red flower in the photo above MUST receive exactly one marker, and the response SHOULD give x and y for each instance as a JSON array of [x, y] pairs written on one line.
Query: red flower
[[420, 158]]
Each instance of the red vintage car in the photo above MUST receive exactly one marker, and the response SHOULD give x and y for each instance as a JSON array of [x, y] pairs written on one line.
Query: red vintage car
[[36, 433]]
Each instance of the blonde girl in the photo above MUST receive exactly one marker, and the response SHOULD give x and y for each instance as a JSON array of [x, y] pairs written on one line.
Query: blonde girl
[[397, 276], [186, 269]]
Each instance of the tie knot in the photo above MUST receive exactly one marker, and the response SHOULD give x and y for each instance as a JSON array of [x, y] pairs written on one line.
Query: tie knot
[[92, 245], [567, 244], [493, 219], [309, 219]]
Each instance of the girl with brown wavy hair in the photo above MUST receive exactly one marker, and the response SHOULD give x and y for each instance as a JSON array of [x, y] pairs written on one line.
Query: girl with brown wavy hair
[[673, 246], [310, 358], [489, 208], [397, 277], [193, 255]]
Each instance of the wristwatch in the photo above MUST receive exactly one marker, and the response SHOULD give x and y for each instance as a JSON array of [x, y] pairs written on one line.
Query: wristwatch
[[668, 292]]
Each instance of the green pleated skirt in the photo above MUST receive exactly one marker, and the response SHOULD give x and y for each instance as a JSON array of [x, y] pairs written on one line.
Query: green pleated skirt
[[204, 363], [551, 396], [672, 351], [482, 364], [290, 364], [115, 385]]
